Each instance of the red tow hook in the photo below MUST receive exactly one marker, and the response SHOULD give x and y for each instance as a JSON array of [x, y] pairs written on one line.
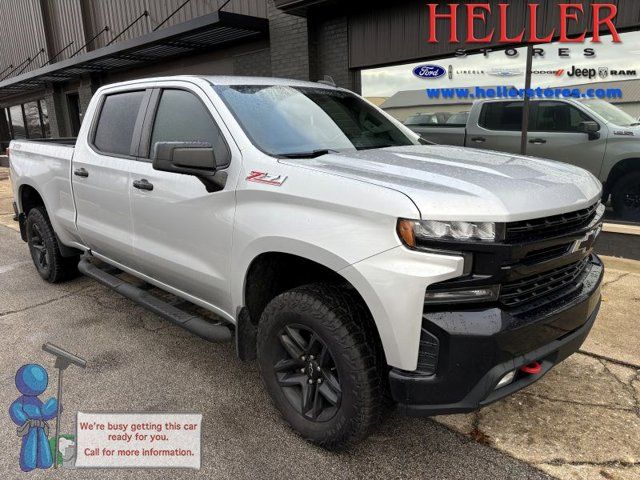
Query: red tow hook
[[534, 368]]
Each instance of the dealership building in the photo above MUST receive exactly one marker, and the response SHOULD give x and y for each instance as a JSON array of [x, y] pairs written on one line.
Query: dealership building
[[54, 54]]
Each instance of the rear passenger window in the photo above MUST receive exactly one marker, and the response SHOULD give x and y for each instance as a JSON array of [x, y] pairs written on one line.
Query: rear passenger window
[[501, 116], [182, 117], [116, 123]]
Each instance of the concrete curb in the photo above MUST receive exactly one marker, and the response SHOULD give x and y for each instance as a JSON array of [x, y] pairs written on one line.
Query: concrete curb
[[623, 264]]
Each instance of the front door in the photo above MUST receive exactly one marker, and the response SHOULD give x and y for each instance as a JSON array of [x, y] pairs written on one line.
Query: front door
[[182, 227], [555, 134]]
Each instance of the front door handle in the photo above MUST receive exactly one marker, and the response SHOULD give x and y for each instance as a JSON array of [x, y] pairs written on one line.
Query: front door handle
[[81, 172], [143, 184], [478, 139], [537, 141]]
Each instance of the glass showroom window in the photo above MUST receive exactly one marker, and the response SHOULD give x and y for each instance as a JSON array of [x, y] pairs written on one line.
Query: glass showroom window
[[5, 133], [597, 86], [33, 121], [29, 120], [18, 129], [44, 118]]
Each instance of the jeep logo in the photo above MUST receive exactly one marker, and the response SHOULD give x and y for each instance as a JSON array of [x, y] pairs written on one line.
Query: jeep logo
[[582, 72]]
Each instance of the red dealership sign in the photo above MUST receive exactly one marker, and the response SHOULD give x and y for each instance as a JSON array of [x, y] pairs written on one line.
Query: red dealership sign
[[570, 14]]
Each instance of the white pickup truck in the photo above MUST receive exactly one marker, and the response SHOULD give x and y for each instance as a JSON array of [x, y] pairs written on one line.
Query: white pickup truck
[[351, 261]]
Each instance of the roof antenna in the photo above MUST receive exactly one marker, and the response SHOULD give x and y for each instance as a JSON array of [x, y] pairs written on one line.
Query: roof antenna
[[328, 80]]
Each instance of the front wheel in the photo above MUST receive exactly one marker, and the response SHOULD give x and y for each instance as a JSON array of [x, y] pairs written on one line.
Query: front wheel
[[318, 366], [625, 197]]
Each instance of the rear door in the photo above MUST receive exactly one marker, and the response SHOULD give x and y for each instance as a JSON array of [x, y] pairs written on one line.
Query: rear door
[[101, 175], [497, 127], [555, 134], [182, 227]]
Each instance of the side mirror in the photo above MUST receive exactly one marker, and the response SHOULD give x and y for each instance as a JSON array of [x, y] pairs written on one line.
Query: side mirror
[[592, 129], [189, 158]]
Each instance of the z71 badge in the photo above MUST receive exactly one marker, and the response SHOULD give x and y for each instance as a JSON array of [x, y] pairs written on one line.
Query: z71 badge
[[264, 177]]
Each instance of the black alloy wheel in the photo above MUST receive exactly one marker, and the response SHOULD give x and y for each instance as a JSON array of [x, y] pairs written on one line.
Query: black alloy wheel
[[320, 364], [38, 249], [625, 197], [307, 373]]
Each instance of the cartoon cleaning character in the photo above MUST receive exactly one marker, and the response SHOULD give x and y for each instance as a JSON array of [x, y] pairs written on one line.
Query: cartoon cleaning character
[[31, 416]]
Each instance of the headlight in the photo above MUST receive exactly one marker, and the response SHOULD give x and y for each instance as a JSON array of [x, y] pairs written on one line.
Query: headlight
[[411, 231], [462, 295]]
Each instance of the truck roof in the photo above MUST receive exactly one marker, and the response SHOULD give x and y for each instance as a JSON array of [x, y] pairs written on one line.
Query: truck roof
[[230, 80]]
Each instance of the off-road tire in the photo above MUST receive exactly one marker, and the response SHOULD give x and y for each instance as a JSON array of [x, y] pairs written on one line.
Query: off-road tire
[[336, 316], [625, 197], [45, 251]]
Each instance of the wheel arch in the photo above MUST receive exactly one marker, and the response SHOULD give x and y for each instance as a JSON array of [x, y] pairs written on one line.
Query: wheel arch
[[272, 272], [29, 197], [617, 171]]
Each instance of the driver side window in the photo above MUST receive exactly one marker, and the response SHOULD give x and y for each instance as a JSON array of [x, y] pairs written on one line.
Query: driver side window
[[558, 117], [182, 117]]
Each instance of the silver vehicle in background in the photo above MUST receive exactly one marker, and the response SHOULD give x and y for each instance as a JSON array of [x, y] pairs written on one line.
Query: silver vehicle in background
[[590, 133]]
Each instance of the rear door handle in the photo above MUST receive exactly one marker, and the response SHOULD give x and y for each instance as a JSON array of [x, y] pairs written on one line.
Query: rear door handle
[[537, 141], [81, 172], [143, 184], [478, 139]]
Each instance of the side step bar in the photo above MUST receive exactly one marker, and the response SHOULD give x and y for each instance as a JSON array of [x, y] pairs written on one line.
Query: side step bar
[[197, 325]]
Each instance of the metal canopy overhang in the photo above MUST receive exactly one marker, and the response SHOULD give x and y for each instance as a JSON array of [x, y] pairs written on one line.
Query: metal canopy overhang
[[194, 36]]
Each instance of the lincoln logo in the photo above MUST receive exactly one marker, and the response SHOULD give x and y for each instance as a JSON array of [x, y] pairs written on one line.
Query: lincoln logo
[[570, 15]]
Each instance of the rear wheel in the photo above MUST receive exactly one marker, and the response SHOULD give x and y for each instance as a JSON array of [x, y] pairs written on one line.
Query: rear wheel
[[44, 249], [626, 197], [318, 366]]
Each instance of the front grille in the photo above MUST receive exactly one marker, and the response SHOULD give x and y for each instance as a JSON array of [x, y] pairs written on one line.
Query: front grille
[[549, 253], [547, 227], [531, 289]]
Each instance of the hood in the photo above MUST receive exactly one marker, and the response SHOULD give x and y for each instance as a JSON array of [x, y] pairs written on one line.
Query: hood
[[454, 183]]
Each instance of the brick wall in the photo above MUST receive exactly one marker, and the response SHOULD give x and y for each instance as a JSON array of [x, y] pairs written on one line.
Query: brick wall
[[85, 92], [54, 111], [331, 48], [257, 63], [289, 37]]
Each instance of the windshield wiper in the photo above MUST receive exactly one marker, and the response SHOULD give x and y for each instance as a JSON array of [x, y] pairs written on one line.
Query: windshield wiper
[[310, 154]]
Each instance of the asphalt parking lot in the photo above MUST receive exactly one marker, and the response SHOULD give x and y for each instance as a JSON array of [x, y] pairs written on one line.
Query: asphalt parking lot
[[580, 421]]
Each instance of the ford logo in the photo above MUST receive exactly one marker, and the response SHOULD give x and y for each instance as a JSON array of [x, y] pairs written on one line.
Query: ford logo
[[429, 71]]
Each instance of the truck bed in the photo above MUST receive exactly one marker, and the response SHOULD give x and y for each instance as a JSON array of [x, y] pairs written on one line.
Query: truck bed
[[66, 141]]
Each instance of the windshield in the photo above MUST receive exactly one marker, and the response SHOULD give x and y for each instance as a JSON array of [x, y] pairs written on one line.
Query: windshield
[[610, 112], [305, 121]]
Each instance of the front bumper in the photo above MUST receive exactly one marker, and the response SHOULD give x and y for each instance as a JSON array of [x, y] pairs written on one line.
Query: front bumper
[[477, 347]]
